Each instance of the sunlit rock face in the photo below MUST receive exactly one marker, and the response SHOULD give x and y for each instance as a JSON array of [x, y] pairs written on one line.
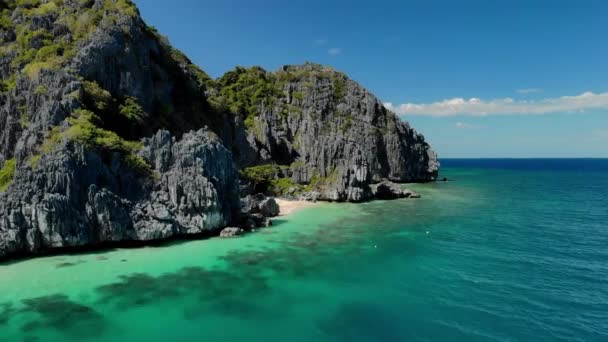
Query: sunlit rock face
[[330, 131], [75, 198]]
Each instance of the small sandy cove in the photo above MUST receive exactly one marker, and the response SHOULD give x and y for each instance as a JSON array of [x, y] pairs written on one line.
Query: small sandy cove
[[289, 207]]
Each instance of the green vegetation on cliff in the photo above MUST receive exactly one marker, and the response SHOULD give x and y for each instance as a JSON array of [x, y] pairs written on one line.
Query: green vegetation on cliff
[[273, 179], [36, 50], [84, 129], [247, 91], [97, 97], [270, 178], [261, 174], [282, 186], [339, 87], [7, 173], [202, 77], [244, 90], [131, 110]]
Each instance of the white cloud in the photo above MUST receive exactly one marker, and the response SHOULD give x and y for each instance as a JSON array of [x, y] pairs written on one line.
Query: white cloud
[[334, 51], [529, 90], [321, 41], [463, 125], [477, 107]]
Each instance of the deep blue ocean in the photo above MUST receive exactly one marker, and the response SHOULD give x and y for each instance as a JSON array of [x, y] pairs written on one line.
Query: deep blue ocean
[[508, 250]]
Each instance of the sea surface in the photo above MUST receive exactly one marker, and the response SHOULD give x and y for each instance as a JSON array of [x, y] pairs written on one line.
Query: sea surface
[[509, 250]]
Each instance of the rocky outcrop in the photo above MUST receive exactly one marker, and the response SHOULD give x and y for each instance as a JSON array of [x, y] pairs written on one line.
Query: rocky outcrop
[[387, 190], [256, 211], [269, 207], [259, 203], [74, 197], [329, 131], [230, 232], [198, 186]]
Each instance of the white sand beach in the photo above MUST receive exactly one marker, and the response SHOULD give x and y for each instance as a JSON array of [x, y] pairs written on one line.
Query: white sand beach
[[291, 206]]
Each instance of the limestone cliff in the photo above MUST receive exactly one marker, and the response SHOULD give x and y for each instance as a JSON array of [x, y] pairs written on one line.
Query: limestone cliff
[[83, 83], [331, 133], [107, 133]]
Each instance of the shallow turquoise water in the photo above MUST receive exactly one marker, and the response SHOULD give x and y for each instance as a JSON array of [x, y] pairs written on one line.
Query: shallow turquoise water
[[509, 251]]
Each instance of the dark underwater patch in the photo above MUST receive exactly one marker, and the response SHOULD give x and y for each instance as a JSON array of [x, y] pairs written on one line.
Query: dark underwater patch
[[135, 290], [361, 321], [68, 264], [31, 339], [230, 293], [249, 283], [277, 222], [289, 261], [6, 311], [60, 313]]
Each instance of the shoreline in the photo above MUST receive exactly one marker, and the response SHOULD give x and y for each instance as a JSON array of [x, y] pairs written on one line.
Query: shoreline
[[288, 207]]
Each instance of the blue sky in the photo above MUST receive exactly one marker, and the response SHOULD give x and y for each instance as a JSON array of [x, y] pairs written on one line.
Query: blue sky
[[478, 78]]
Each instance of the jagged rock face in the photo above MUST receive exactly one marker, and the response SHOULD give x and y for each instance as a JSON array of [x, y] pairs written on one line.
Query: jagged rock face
[[326, 126], [127, 58], [27, 115], [77, 197], [198, 188], [102, 41]]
